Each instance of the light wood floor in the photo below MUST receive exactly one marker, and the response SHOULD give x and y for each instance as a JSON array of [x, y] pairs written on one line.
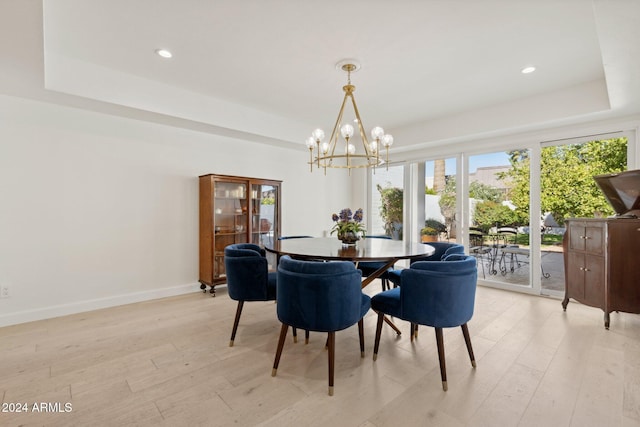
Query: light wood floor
[[167, 363]]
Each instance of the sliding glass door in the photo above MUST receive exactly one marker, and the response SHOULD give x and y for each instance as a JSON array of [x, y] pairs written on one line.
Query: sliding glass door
[[440, 201], [500, 233], [387, 202], [507, 206], [567, 190]]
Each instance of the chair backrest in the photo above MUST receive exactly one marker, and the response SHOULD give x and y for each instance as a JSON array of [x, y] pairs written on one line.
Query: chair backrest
[[318, 296], [476, 237], [439, 293], [506, 235], [265, 225], [250, 246], [247, 272], [442, 250]]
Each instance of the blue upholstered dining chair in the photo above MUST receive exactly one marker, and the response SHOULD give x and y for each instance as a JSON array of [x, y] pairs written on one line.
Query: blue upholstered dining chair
[[322, 297], [248, 278], [440, 294], [443, 249], [369, 267]]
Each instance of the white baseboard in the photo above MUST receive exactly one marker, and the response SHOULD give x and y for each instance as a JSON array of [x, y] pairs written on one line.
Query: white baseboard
[[95, 304]]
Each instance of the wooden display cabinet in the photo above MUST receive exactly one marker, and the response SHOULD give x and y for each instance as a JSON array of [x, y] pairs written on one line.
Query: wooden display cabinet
[[234, 210], [601, 264]]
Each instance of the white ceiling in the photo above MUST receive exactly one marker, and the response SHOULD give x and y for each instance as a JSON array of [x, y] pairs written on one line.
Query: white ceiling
[[432, 71]]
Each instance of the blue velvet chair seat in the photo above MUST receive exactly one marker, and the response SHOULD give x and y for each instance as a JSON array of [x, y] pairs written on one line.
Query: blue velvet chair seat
[[389, 302]]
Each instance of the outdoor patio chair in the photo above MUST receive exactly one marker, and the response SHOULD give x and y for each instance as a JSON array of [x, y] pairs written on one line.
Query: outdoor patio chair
[[478, 247], [509, 248]]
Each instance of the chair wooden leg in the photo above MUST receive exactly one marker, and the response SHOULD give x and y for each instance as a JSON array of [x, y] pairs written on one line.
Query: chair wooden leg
[[393, 326], [467, 340], [361, 336], [376, 344], [281, 340], [414, 331], [443, 367], [295, 335], [235, 322], [331, 339]]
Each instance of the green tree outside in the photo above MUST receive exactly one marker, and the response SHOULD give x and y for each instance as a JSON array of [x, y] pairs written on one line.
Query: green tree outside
[[391, 210], [567, 185]]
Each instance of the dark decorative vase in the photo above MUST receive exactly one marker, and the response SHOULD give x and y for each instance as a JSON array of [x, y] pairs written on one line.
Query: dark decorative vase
[[349, 238]]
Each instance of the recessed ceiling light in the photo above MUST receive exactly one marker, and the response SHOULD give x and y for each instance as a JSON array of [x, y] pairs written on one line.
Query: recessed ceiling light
[[164, 53], [527, 70]]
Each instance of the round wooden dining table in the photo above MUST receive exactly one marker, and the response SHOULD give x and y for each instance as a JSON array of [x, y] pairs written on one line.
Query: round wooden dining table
[[386, 251]]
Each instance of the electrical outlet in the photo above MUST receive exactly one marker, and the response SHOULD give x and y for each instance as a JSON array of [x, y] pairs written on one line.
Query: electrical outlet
[[4, 292]]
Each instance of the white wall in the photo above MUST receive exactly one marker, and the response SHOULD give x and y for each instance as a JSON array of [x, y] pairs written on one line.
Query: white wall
[[97, 210]]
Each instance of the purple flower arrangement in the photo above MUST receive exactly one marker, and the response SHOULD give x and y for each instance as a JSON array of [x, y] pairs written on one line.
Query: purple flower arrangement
[[348, 222]]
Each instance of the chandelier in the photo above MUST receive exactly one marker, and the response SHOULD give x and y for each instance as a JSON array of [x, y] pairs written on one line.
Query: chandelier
[[332, 154]]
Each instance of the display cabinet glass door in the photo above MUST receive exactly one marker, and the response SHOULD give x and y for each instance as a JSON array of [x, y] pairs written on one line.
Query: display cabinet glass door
[[264, 213], [231, 220]]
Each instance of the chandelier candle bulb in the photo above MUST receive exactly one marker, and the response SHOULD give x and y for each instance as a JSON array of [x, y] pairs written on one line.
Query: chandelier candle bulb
[[310, 145], [318, 135], [377, 132], [387, 141], [346, 131]]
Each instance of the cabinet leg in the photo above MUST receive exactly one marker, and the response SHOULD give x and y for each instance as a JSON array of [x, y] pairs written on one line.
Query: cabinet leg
[[606, 320], [203, 287], [565, 301], [213, 291]]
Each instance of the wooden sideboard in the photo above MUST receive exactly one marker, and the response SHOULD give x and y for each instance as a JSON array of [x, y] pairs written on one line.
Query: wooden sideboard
[[602, 264]]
